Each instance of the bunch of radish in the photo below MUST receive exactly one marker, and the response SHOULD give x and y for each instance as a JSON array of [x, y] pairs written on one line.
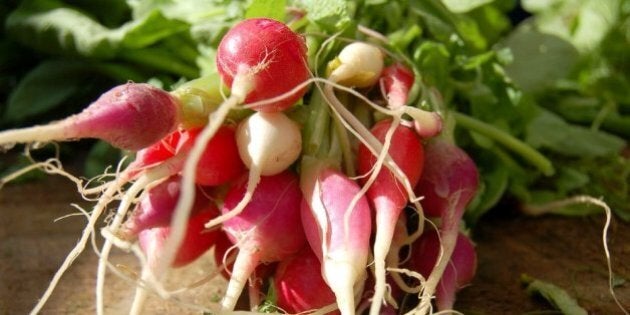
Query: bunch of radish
[[318, 210]]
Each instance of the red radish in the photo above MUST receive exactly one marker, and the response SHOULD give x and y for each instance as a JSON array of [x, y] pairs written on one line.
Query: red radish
[[197, 241], [447, 186], [299, 285], [386, 194], [220, 162], [267, 230], [156, 207], [268, 143], [343, 253], [459, 271], [131, 116], [397, 80], [265, 56]]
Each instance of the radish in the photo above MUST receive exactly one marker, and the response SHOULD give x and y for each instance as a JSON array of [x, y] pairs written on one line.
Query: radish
[[459, 271], [197, 241], [131, 116], [268, 143], [156, 207], [267, 230], [386, 194], [157, 152], [299, 285], [341, 248], [396, 83], [447, 186], [219, 162]]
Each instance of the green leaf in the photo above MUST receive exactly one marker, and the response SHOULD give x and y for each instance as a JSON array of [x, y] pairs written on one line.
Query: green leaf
[[539, 59], [550, 131], [331, 14], [463, 6], [47, 86], [557, 296], [51, 27], [273, 9]]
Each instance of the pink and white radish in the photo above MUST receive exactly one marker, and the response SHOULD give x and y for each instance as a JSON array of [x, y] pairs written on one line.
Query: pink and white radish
[[448, 185], [299, 286], [459, 271], [387, 195], [131, 116], [268, 229], [342, 248], [268, 143]]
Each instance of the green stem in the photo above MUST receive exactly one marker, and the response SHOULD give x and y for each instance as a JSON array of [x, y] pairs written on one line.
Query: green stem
[[523, 149], [160, 59], [316, 131]]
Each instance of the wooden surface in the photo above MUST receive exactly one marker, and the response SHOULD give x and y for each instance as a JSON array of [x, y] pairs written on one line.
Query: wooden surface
[[565, 251]]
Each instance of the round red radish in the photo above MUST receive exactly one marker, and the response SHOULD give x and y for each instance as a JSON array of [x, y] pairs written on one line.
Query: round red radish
[[157, 152], [220, 162], [196, 241], [397, 81], [271, 54], [299, 285]]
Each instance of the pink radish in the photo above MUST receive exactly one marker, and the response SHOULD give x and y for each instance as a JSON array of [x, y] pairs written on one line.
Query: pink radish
[[156, 207], [343, 252], [157, 152], [386, 194], [299, 285], [131, 116], [267, 230], [459, 271], [447, 186], [197, 241], [220, 162]]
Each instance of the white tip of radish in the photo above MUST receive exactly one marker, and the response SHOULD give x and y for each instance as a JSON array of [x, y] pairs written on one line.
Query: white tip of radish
[[270, 142], [343, 279], [359, 65]]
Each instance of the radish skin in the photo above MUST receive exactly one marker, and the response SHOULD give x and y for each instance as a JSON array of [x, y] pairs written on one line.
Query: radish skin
[[131, 116], [267, 230], [342, 252]]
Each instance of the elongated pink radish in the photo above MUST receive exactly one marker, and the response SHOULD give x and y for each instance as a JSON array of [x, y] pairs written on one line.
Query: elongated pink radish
[[156, 207], [131, 116], [268, 143], [341, 248], [267, 230], [220, 161], [299, 285], [447, 186], [459, 271], [386, 194]]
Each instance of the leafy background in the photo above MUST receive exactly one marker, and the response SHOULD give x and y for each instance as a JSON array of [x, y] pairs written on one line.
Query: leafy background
[[537, 90]]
